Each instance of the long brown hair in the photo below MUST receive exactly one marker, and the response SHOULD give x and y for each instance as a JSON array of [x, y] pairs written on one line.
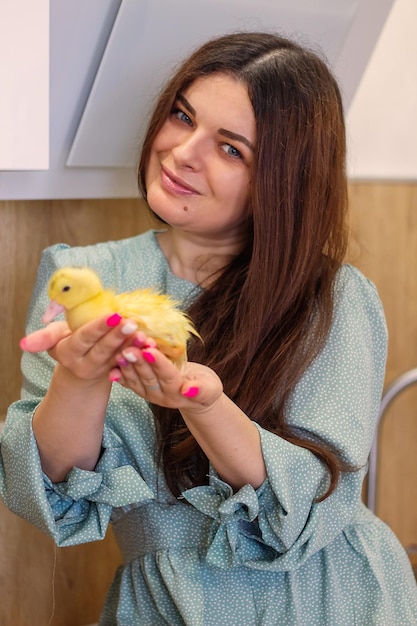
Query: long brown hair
[[273, 302]]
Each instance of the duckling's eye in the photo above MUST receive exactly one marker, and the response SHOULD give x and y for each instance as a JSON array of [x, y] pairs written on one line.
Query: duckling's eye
[[66, 288]]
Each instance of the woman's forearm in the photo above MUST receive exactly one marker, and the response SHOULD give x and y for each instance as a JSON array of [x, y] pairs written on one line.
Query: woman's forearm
[[68, 423], [231, 442]]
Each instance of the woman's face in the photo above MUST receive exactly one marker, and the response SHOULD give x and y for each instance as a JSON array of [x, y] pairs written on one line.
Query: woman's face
[[199, 168]]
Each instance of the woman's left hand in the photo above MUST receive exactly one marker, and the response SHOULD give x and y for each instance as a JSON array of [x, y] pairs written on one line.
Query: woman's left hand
[[226, 435], [151, 375]]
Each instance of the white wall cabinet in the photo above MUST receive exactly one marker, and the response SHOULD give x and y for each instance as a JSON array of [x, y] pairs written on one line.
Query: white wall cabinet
[[107, 60], [24, 84]]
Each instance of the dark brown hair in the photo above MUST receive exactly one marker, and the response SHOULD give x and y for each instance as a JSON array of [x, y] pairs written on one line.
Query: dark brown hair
[[273, 302]]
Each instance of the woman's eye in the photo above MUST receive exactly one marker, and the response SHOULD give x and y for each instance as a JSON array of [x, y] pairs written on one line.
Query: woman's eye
[[180, 115], [232, 151]]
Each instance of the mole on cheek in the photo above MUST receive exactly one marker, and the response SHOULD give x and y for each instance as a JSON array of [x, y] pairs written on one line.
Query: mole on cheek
[[185, 208]]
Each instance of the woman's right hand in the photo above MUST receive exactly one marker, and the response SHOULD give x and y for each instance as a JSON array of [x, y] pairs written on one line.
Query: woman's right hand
[[89, 352]]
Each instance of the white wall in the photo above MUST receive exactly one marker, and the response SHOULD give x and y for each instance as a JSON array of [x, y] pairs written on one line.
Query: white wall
[[382, 119]]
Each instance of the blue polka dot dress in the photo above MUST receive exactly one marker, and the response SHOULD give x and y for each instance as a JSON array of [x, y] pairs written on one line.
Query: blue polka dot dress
[[216, 557]]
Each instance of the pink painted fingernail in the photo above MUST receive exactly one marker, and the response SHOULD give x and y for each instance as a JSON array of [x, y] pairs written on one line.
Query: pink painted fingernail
[[191, 392], [148, 356], [141, 343], [115, 377], [23, 343], [138, 343], [122, 362], [114, 320]]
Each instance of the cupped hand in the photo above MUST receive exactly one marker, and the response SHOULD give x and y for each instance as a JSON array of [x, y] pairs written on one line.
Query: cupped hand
[[89, 352], [151, 375]]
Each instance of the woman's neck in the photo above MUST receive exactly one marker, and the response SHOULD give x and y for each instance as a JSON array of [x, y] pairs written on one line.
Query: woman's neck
[[196, 258]]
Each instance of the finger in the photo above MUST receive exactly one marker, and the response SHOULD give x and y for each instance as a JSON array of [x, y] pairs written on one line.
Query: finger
[[45, 338], [201, 385], [116, 376], [114, 326], [190, 390], [91, 349], [159, 366], [141, 376], [141, 340], [129, 377]]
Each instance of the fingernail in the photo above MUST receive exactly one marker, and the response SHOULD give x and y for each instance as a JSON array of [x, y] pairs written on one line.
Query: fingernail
[[115, 377], [129, 328], [148, 356], [141, 343], [23, 343], [122, 362], [138, 342], [129, 356], [114, 320], [191, 392]]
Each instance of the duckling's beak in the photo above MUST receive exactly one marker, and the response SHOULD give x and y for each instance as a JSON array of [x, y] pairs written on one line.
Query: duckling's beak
[[53, 309]]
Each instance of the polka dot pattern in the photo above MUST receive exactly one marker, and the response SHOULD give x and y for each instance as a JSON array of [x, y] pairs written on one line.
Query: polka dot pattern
[[214, 557]]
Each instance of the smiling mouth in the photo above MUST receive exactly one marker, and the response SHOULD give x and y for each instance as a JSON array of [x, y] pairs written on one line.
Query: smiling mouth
[[176, 185]]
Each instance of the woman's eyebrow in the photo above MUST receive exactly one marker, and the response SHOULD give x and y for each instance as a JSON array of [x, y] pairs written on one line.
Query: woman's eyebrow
[[187, 105], [231, 135], [222, 131]]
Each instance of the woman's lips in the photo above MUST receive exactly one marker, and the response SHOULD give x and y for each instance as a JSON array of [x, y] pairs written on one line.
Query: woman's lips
[[176, 185]]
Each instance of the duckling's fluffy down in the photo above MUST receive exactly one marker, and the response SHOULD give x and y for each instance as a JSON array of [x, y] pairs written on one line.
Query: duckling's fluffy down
[[78, 291]]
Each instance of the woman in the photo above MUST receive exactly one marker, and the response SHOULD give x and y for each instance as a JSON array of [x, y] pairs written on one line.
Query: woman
[[233, 485]]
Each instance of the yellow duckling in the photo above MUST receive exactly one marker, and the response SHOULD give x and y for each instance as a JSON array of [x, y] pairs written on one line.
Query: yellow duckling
[[78, 291]]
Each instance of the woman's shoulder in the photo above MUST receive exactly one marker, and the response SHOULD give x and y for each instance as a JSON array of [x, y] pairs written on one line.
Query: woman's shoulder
[[349, 278], [145, 244], [356, 296], [123, 262]]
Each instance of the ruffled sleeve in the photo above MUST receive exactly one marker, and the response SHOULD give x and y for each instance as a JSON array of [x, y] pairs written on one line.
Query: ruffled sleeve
[[78, 509], [281, 524]]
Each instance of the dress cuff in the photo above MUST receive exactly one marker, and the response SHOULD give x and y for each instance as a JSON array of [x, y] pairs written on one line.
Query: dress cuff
[[235, 537], [86, 498]]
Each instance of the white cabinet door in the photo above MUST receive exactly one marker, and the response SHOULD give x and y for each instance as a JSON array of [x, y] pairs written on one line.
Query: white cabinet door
[[24, 84]]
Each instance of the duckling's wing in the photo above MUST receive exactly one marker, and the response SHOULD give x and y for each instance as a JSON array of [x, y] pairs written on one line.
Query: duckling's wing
[[156, 314]]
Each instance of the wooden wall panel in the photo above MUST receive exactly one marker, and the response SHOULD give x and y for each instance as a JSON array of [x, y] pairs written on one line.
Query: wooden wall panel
[[383, 246], [29, 586], [47, 586]]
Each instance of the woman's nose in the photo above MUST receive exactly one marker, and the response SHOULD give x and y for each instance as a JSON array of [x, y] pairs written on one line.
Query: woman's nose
[[190, 151]]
